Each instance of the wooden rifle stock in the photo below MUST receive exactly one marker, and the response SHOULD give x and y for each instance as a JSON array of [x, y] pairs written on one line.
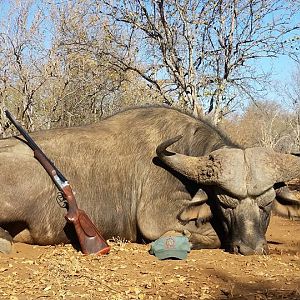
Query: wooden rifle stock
[[90, 239]]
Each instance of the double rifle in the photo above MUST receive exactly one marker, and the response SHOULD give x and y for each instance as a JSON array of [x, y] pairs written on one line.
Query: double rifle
[[90, 239]]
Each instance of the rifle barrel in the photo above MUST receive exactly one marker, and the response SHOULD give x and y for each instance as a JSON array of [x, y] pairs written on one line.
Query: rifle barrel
[[30, 141], [88, 235]]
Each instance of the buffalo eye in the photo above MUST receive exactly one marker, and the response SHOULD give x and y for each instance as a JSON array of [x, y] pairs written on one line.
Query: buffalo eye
[[225, 200], [265, 200]]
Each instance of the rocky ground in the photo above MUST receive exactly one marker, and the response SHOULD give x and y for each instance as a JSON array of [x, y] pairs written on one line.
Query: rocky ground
[[130, 272]]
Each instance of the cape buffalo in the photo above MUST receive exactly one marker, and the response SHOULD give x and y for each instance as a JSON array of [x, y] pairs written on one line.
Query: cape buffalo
[[133, 187]]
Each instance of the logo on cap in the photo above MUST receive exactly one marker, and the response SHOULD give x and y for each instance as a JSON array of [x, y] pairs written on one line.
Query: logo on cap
[[170, 243]]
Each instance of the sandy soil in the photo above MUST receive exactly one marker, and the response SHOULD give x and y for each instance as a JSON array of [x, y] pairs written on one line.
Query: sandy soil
[[129, 272]]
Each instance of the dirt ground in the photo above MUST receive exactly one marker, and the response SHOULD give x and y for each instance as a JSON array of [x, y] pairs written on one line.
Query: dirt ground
[[129, 272]]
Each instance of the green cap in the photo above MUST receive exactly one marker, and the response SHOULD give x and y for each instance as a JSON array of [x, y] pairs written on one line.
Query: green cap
[[171, 247]]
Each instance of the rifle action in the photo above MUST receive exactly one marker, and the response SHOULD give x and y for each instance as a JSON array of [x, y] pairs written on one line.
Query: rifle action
[[88, 235]]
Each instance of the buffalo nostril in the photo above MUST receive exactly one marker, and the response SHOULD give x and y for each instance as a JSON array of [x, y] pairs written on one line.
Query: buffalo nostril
[[236, 249], [262, 248]]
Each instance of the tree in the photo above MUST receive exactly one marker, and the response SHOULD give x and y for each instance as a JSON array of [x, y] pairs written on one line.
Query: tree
[[198, 52], [53, 71], [66, 63], [263, 124], [24, 59], [291, 94], [97, 86]]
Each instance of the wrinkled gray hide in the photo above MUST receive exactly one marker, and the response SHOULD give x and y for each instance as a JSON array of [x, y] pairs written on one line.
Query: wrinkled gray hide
[[133, 187]]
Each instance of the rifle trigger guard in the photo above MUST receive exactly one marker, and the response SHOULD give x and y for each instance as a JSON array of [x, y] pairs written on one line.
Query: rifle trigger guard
[[62, 202]]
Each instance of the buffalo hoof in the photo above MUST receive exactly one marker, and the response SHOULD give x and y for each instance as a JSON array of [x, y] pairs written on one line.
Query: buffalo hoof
[[5, 242]]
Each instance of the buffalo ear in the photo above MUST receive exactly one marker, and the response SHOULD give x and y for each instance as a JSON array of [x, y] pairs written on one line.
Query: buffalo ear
[[287, 203], [286, 211], [200, 212], [196, 209]]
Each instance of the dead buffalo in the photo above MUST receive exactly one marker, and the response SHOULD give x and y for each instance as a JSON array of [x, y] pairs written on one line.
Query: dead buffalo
[[132, 186]]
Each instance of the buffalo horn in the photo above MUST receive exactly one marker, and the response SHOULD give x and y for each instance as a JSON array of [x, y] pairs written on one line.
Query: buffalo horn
[[199, 169]]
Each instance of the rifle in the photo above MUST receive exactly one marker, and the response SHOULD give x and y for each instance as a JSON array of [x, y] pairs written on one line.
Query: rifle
[[88, 235]]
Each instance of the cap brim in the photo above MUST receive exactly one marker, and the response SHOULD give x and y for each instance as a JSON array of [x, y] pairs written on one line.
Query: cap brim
[[177, 254]]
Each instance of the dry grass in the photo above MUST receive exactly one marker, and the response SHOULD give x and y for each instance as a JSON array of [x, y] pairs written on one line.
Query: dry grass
[[129, 272]]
